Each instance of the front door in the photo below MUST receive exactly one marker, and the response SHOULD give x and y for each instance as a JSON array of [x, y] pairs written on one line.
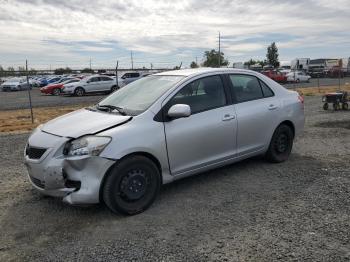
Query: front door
[[206, 137]]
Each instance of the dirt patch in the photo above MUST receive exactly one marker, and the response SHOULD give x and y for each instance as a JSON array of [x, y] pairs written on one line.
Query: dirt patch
[[311, 91], [20, 120], [334, 124]]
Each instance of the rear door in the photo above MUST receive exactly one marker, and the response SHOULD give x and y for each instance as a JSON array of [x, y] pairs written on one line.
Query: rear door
[[257, 110], [106, 82], [208, 136]]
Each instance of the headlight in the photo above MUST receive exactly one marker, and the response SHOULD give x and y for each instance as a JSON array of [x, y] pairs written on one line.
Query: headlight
[[88, 145]]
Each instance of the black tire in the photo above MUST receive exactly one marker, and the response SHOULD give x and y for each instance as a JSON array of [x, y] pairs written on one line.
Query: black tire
[[79, 91], [131, 186], [56, 92], [114, 88], [325, 106], [345, 106], [281, 144]]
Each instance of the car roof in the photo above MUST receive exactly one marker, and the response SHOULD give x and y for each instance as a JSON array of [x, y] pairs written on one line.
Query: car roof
[[203, 70]]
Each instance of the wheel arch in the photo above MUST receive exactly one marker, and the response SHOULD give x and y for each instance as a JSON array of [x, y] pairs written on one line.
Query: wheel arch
[[289, 124]]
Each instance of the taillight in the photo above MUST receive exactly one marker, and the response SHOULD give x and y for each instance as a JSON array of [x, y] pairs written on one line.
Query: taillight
[[301, 99]]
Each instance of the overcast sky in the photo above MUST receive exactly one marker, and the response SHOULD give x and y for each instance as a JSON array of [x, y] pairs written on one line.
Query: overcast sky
[[69, 32]]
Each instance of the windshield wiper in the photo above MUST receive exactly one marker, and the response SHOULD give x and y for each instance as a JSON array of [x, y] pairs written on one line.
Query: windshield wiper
[[111, 108]]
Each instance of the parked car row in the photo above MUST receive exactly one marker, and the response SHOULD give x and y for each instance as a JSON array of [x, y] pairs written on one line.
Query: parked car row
[[90, 84], [287, 76], [71, 84]]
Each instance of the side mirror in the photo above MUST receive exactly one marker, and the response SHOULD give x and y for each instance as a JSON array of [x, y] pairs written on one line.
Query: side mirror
[[179, 111]]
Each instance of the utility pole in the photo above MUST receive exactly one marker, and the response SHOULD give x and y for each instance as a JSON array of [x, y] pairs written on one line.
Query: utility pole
[[29, 95], [196, 61], [116, 74], [219, 50], [90, 63], [132, 61]]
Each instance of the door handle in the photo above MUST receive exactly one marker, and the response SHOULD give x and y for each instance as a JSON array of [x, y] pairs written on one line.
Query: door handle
[[228, 117], [272, 107]]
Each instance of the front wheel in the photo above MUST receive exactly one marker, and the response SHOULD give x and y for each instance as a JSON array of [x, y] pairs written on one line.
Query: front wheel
[[132, 185], [56, 92], [325, 106], [114, 88], [281, 144]]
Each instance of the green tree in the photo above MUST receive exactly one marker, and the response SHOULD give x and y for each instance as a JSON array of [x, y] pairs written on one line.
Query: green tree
[[255, 62], [61, 71], [10, 71], [87, 70], [193, 64], [212, 59], [2, 71], [272, 55], [32, 71]]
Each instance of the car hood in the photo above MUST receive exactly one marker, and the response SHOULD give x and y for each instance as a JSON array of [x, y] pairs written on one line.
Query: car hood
[[83, 122]]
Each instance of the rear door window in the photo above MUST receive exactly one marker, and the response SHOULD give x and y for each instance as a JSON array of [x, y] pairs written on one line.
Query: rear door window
[[246, 88], [266, 90]]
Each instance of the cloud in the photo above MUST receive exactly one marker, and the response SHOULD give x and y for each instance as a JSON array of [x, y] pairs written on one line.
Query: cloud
[[174, 31]]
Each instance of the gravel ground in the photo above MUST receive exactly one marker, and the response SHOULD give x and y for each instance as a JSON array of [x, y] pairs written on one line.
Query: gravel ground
[[250, 211], [19, 100]]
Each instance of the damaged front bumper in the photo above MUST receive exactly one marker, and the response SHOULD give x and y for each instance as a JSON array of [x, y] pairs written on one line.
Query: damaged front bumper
[[76, 179]]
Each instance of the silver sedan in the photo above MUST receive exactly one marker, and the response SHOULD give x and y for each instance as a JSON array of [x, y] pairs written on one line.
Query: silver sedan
[[161, 128]]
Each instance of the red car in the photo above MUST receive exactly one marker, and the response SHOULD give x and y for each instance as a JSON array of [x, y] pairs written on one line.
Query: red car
[[276, 76], [55, 89]]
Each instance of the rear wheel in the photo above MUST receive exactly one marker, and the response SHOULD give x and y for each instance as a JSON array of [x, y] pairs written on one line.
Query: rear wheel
[[132, 185], [79, 91], [281, 144], [56, 92], [114, 88], [325, 106], [345, 106]]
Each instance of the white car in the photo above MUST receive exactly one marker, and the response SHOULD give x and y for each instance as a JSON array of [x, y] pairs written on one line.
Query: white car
[[128, 77], [298, 77], [15, 84], [91, 84]]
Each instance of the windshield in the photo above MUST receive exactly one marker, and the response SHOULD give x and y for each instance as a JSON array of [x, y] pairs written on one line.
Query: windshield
[[137, 96]]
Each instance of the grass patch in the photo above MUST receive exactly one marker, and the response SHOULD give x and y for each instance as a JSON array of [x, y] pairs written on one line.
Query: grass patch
[[20, 120]]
